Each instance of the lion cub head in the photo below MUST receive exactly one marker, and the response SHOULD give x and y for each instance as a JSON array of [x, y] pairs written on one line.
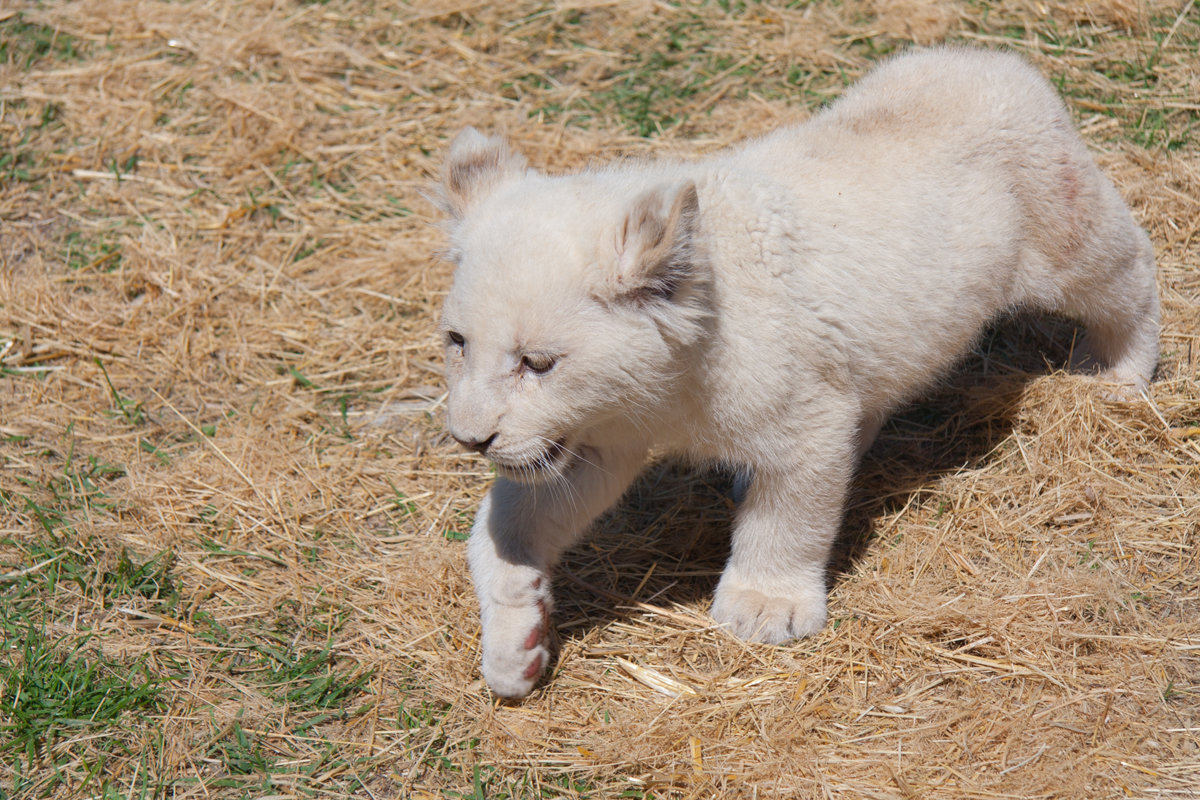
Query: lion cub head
[[574, 303]]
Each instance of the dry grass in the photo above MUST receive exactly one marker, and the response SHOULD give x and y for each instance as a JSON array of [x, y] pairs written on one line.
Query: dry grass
[[224, 483]]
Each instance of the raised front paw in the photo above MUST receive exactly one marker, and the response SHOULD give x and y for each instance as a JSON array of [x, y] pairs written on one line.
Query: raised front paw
[[771, 615], [516, 641]]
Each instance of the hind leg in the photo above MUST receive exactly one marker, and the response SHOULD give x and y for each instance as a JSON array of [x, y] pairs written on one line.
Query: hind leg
[[1088, 259], [1122, 319]]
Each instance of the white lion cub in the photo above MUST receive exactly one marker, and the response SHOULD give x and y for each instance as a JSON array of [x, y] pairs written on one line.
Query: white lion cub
[[767, 308]]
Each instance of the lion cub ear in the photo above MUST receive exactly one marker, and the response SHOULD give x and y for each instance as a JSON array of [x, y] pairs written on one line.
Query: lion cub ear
[[474, 167], [656, 243]]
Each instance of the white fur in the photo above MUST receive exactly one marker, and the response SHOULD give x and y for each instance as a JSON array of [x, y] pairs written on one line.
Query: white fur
[[767, 308]]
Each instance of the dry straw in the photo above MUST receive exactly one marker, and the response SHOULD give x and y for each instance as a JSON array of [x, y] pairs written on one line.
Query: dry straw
[[217, 298]]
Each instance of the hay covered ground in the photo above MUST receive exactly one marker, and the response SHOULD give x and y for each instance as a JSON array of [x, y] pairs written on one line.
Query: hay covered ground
[[231, 524]]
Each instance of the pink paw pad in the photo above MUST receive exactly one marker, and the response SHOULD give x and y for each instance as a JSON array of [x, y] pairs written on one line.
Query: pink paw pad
[[538, 633], [533, 638], [534, 668]]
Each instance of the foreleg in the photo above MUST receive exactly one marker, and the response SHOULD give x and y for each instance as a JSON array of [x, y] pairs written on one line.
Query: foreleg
[[518, 535]]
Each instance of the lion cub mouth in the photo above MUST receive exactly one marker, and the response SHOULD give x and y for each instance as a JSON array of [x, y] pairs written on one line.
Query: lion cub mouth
[[551, 462]]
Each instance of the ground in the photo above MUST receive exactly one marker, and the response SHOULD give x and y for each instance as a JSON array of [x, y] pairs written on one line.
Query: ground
[[232, 525]]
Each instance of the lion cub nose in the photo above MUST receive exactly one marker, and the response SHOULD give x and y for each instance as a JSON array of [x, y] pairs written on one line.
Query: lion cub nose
[[478, 445]]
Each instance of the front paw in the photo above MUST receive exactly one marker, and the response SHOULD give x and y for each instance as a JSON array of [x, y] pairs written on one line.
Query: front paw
[[772, 615], [516, 644]]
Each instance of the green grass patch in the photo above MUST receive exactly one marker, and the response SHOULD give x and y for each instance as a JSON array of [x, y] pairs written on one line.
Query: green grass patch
[[64, 704], [81, 253], [255, 764], [664, 72], [56, 552], [674, 68], [18, 164], [20, 160], [87, 565], [23, 44], [130, 410]]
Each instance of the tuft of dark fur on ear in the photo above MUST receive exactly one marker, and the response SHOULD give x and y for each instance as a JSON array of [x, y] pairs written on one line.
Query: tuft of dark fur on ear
[[475, 165], [656, 244]]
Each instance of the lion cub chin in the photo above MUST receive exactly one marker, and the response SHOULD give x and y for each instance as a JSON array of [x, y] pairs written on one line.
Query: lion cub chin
[[766, 307]]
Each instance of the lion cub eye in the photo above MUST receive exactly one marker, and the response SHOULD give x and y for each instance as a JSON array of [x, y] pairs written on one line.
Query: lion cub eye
[[538, 363]]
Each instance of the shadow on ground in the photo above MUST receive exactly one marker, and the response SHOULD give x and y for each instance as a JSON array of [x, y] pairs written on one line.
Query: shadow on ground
[[667, 540]]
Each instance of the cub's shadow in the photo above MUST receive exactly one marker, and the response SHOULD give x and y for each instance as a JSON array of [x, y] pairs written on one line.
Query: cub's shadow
[[667, 541]]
